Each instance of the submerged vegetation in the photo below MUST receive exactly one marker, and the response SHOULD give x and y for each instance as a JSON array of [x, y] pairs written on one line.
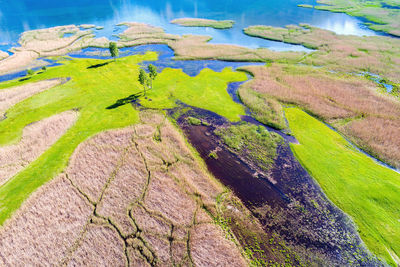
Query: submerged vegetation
[[359, 186]]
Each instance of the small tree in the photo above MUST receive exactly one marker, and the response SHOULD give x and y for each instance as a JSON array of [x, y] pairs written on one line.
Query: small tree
[[114, 51], [152, 74], [143, 79], [30, 72]]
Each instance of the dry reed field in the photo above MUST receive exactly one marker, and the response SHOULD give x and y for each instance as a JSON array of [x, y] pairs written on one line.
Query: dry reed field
[[45, 43], [36, 139], [10, 97], [197, 47], [3, 55], [352, 104], [344, 53], [126, 199]]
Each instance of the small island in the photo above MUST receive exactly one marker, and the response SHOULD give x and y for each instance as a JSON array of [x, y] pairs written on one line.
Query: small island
[[195, 22]]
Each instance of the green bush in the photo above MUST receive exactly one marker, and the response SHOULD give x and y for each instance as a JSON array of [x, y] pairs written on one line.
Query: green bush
[[194, 121]]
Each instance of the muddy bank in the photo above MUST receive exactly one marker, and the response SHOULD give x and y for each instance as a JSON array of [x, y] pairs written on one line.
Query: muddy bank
[[287, 202]]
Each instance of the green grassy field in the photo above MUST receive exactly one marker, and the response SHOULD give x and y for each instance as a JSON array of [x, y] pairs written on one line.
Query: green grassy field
[[91, 91], [366, 191]]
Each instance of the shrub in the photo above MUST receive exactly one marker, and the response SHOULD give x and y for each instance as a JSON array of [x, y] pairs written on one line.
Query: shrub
[[194, 121]]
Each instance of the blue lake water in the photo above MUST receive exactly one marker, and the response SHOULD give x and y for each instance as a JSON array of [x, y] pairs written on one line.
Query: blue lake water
[[20, 15]]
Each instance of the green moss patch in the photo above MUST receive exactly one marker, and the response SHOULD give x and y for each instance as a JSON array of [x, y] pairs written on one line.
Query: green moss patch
[[251, 141]]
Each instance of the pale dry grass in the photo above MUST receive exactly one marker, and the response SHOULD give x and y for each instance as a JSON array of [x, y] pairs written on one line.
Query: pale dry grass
[[17, 61], [198, 22], [48, 42], [113, 193], [150, 223], [206, 187], [151, 117], [127, 187], [349, 53], [45, 227], [11, 96], [335, 98], [165, 197], [179, 253], [49, 39], [94, 162], [197, 47], [135, 259], [162, 247], [202, 217], [3, 55], [36, 139], [380, 135], [326, 95], [101, 247], [210, 248]]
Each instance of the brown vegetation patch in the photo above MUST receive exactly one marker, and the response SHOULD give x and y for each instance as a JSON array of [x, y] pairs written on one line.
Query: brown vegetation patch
[[197, 22], [135, 259], [337, 99], [10, 97], [166, 198], [197, 47], [348, 53], [45, 227], [36, 139], [101, 247], [127, 187], [151, 222], [210, 248], [94, 161], [162, 248], [3, 55], [179, 253], [48, 42], [379, 135], [116, 205]]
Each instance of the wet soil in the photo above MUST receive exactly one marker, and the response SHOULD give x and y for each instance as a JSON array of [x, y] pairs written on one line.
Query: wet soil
[[286, 200]]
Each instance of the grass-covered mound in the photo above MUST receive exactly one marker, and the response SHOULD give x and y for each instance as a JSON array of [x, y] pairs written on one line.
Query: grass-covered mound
[[366, 191], [95, 87], [251, 141]]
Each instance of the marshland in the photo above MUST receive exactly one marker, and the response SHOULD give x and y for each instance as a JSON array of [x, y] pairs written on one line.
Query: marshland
[[200, 133]]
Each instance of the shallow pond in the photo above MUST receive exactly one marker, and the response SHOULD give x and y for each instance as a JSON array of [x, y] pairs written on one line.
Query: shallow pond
[[22, 15]]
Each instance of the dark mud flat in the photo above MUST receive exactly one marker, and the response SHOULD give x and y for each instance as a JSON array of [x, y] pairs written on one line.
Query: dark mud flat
[[287, 202]]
